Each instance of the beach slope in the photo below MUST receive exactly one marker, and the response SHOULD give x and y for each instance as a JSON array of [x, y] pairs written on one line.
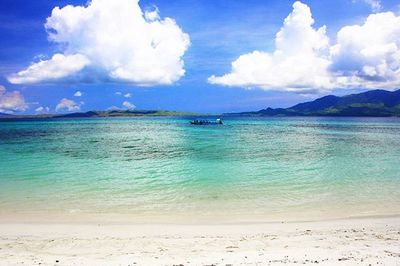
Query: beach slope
[[368, 241]]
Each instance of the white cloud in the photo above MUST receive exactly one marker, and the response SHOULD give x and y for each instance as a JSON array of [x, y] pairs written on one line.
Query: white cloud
[[299, 62], [128, 105], [125, 105], [59, 66], [152, 15], [368, 55], [365, 56], [78, 94], [113, 108], [111, 41], [42, 109], [11, 102], [126, 95], [68, 105], [375, 5]]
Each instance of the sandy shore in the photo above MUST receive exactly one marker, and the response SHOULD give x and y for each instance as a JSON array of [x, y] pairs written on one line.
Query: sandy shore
[[368, 241]]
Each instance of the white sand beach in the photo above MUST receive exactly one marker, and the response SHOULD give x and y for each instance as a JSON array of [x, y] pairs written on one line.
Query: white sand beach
[[361, 241]]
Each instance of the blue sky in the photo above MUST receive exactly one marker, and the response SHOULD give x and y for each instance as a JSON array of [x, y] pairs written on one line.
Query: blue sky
[[219, 31]]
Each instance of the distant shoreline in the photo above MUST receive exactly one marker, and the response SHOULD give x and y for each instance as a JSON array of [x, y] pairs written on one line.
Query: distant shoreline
[[374, 103], [188, 116]]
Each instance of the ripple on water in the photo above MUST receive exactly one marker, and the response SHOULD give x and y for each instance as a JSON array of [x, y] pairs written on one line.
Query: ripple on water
[[264, 166]]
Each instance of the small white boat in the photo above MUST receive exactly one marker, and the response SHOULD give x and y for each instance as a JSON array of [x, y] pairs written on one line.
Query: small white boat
[[206, 122]]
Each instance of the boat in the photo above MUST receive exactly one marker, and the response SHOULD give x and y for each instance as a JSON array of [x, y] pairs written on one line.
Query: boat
[[206, 122]]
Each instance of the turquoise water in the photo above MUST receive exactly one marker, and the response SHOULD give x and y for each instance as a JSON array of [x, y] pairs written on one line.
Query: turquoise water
[[273, 168]]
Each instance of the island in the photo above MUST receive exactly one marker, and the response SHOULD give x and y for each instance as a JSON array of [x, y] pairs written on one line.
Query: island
[[374, 103]]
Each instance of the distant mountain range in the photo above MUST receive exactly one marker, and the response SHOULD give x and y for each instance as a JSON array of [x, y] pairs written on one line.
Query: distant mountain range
[[375, 103], [111, 113], [379, 103]]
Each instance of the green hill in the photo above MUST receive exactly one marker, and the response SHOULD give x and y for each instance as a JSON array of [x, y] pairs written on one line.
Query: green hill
[[379, 103]]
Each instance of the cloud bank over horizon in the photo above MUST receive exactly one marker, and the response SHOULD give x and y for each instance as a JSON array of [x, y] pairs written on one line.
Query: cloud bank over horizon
[[11, 102], [68, 105], [110, 41], [305, 61], [42, 110]]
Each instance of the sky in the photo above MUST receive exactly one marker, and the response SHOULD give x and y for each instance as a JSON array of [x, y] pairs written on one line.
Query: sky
[[209, 56]]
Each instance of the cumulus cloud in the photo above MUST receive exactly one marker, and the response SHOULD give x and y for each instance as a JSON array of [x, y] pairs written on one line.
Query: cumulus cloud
[[152, 15], [118, 93], [128, 105], [125, 105], [366, 56], [111, 41], [68, 105], [59, 66], [298, 63], [128, 95], [11, 102], [113, 108], [374, 4], [78, 94], [42, 109]]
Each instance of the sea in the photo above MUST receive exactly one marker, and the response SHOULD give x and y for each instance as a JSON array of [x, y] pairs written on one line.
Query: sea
[[167, 170]]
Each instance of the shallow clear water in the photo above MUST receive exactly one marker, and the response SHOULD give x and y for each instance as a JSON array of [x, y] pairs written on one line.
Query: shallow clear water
[[274, 168]]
